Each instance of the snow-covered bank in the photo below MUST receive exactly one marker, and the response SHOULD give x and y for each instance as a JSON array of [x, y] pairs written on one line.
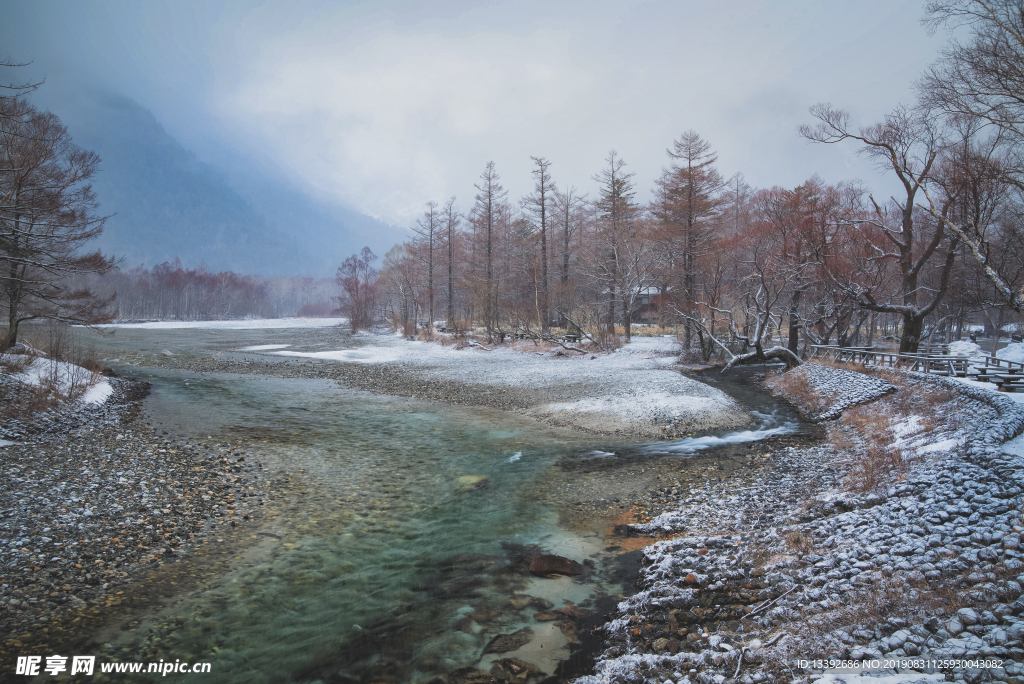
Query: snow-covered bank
[[246, 324], [631, 391], [66, 379], [749, 582]]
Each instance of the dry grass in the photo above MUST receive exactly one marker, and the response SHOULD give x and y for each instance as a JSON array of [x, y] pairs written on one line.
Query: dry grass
[[795, 388], [877, 463], [15, 363], [798, 540], [897, 597], [842, 365], [868, 432], [57, 384]]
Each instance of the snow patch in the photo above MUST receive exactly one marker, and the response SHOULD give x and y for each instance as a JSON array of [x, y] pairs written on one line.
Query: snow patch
[[965, 348], [1012, 352], [264, 347], [65, 378]]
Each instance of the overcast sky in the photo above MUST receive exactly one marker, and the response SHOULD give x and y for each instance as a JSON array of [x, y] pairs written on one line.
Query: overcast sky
[[383, 106]]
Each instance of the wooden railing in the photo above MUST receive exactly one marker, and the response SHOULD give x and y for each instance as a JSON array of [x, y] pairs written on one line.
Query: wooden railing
[[1007, 375]]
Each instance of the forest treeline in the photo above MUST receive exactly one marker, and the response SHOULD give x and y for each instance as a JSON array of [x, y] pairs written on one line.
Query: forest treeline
[[169, 291], [751, 272]]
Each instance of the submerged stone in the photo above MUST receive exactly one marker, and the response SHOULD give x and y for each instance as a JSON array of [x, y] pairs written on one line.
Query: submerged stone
[[473, 481], [504, 643], [513, 670], [550, 565]]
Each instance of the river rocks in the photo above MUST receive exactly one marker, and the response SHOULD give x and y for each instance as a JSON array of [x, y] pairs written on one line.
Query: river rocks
[[467, 675], [504, 643], [790, 559], [836, 390], [513, 670], [91, 497], [520, 601], [472, 481], [574, 612], [549, 565]]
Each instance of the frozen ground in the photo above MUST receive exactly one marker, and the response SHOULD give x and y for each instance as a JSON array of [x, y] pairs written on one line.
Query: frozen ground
[[631, 391]]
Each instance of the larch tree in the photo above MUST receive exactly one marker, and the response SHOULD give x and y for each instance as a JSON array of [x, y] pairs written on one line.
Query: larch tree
[[427, 230], [616, 224], [688, 199], [539, 204], [571, 215], [487, 217], [451, 219]]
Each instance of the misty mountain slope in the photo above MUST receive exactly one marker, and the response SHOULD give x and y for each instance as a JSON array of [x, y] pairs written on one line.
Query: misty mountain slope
[[165, 203]]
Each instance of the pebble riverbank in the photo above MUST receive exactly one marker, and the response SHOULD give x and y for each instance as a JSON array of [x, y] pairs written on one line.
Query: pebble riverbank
[[92, 499], [757, 583]]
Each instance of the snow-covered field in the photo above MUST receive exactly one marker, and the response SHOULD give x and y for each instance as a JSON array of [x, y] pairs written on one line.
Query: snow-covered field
[[631, 391], [249, 324]]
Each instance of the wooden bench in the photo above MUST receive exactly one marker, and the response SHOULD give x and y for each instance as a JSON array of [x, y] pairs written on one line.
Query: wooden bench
[[572, 339], [995, 367], [1009, 382]]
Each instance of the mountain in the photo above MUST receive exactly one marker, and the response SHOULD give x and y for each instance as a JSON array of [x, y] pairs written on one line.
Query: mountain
[[164, 203]]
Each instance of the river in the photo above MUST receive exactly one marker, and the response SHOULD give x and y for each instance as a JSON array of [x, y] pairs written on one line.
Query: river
[[398, 553]]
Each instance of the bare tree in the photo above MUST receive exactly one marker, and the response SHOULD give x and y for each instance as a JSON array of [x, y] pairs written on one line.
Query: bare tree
[[765, 279], [982, 79], [906, 144], [427, 228], [47, 213], [358, 280]]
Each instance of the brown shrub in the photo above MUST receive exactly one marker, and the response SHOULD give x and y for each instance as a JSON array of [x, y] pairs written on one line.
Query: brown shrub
[[878, 463], [795, 388], [842, 365]]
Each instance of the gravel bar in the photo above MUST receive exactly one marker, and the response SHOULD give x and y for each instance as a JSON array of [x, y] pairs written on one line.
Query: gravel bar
[[91, 499]]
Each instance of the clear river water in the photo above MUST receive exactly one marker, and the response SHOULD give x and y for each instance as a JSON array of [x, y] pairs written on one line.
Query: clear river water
[[397, 555]]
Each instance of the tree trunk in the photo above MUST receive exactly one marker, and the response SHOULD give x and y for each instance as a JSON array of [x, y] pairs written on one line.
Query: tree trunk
[[611, 314], [913, 325], [544, 301], [627, 317], [10, 338], [794, 323]]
